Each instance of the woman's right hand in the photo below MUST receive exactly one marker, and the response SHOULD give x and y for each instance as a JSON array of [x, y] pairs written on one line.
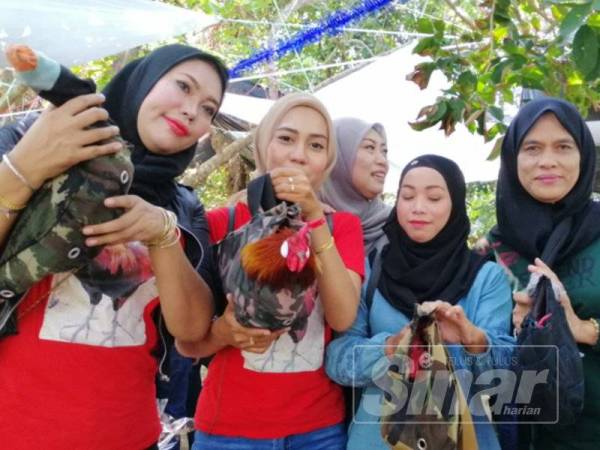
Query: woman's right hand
[[229, 331], [58, 139], [521, 309]]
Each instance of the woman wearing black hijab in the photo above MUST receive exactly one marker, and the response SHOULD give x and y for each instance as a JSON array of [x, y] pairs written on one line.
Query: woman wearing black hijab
[[427, 261], [548, 224], [81, 371]]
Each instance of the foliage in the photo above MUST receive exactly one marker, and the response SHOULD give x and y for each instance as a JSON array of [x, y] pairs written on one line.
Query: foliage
[[552, 46], [481, 201], [214, 193]]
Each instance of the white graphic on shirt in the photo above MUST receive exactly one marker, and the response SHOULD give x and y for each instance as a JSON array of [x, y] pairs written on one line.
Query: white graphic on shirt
[[103, 303], [285, 356]]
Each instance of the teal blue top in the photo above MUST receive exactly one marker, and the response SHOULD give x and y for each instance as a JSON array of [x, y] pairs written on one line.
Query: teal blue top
[[351, 359]]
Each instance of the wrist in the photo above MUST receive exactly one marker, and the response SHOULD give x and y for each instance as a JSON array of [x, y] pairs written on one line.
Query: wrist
[[32, 172], [475, 340], [591, 331]]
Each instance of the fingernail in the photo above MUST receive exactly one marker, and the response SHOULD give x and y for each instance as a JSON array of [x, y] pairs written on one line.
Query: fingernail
[[91, 242], [87, 230], [109, 202], [101, 96]]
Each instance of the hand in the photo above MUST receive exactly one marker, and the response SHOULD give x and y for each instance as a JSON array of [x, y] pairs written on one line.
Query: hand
[[229, 331], [521, 309], [292, 185], [392, 342], [456, 328], [482, 246], [58, 139], [141, 221], [583, 331]]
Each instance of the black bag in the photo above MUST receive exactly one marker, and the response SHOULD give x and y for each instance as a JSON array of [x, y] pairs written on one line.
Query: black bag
[[560, 398]]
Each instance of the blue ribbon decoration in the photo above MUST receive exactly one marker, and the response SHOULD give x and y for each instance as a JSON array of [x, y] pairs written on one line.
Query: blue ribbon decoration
[[331, 26]]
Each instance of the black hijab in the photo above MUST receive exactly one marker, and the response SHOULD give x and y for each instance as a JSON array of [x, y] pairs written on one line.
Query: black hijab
[[154, 178], [556, 231], [441, 269]]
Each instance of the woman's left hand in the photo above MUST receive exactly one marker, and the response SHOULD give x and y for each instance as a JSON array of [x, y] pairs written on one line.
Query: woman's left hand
[[141, 221], [455, 327], [583, 331], [292, 185]]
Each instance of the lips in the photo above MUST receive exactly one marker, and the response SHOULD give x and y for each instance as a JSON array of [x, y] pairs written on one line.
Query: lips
[[380, 175], [417, 223], [177, 127], [547, 179]]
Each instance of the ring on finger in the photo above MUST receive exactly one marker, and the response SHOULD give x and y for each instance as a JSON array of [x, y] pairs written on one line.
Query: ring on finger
[[292, 187]]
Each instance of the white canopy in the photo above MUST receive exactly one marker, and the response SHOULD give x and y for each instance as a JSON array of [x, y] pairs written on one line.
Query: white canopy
[[380, 92], [75, 32]]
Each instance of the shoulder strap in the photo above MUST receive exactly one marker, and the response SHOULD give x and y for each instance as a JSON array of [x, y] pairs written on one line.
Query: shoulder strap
[[231, 219], [376, 262], [329, 219]]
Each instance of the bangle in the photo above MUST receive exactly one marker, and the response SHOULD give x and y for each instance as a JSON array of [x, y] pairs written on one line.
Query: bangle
[[9, 206], [596, 329], [170, 233], [326, 246], [17, 173]]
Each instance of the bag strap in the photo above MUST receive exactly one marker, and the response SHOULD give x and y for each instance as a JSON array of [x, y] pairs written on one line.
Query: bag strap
[[231, 219], [261, 194], [376, 262]]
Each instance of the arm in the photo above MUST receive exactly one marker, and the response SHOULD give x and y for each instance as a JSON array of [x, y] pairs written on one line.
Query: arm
[[55, 142], [351, 357]]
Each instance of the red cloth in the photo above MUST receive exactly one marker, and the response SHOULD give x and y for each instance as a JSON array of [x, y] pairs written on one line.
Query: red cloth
[[238, 400], [57, 394]]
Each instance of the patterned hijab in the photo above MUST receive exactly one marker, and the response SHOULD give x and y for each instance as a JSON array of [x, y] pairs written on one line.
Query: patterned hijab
[[338, 190], [265, 130], [154, 178], [556, 231]]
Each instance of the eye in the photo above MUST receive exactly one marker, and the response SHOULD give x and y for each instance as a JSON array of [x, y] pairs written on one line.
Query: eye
[[185, 87], [565, 147], [435, 199], [317, 146], [284, 138], [209, 110], [384, 152], [370, 148]]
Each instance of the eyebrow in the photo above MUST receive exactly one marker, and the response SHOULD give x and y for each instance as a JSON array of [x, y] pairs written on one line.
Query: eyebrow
[[292, 130], [197, 86], [560, 141], [433, 186], [369, 140]]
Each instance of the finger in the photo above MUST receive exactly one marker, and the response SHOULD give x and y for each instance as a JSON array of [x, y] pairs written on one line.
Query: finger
[[285, 172], [125, 221], [123, 201], [121, 237], [522, 298], [82, 102], [93, 151], [96, 135], [90, 116]]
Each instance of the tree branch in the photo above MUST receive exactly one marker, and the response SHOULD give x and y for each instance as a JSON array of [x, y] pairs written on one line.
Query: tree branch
[[461, 15]]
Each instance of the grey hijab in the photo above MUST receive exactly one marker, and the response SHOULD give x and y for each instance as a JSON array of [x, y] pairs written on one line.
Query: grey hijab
[[338, 190]]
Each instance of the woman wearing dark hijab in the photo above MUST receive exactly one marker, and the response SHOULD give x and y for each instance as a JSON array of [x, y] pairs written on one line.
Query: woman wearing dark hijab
[[356, 182], [426, 262], [548, 224], [81, 371]]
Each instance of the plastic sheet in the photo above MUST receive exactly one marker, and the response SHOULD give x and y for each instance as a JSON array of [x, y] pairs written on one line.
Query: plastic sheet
[[75, 32]]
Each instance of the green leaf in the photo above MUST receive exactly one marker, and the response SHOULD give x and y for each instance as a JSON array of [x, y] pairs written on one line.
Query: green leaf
[[425, 26], [574, 19], [499, 69], [496, 113], [595, 72], [427, 46], [467, 81], [594, 20], [496, 149], [585, 50]]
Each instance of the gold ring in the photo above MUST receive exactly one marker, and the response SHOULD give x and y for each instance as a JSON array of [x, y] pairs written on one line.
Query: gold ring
[[291, 180], [292, 187]]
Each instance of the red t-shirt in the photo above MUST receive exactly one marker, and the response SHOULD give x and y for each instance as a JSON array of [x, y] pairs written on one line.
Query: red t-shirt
[[284, 391], [79, 375]]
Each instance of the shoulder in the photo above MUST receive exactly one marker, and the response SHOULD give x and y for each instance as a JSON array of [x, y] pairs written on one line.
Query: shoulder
[[491, 276], [346, 220]]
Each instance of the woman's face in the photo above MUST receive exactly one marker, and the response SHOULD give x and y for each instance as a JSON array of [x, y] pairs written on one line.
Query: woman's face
[[370, 165], [424, 205], [300, 140], [548, 160], [180, 107]]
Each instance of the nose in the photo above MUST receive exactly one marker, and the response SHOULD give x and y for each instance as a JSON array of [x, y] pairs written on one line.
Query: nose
[[189, 109], [381, 159], [298, 153], [547, 159], [418, 206]]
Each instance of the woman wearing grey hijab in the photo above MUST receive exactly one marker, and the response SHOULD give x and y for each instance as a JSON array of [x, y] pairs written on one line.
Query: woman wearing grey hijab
[[356, 181]]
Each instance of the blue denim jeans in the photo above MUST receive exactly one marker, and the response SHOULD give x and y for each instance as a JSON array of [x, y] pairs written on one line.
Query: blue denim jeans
[[329, 438]]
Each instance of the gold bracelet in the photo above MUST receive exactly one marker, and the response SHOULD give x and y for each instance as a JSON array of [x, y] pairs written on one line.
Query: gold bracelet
[[326, 246], [596, 328], [10, 206], [169, 233]]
